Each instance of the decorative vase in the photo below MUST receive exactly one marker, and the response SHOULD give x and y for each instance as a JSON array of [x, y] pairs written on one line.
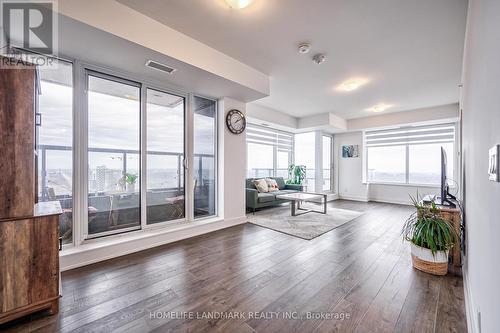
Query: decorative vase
[[130, 188], [425, 261]]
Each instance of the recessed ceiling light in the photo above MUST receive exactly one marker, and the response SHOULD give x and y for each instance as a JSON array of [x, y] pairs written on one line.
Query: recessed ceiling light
[[352, 84], [239, 4], [379, 107]]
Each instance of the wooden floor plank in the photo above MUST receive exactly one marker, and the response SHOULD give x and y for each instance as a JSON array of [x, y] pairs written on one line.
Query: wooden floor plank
[[362, 269]]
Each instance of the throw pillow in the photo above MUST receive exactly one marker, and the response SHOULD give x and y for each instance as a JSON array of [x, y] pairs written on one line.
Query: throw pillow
[[261, 185], [272, 185]]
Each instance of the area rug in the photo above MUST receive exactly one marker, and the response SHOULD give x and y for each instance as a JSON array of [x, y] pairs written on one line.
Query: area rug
[[307, 226]]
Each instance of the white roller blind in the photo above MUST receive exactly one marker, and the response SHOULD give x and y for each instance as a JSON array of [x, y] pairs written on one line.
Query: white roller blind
[[261, 135], [411, 135]]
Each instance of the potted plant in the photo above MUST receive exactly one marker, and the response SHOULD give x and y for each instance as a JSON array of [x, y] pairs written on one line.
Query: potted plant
[[296, 174], [130, 180], [431, 238]]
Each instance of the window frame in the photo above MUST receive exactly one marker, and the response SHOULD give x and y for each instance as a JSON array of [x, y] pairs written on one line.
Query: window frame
[[332, 174], [275, 147], [80, 151], [407, 157]]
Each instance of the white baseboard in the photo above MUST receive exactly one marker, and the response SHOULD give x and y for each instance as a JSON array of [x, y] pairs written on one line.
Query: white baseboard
[[470, 312], [96, 252], [398, 202], [365, 199], [353, 198]]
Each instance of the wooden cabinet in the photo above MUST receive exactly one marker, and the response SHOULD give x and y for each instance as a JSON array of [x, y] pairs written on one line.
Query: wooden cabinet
[[29, 278], [29, 232]]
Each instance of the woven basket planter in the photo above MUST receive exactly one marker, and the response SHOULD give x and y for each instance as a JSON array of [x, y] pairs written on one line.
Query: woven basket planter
[[424, 261]]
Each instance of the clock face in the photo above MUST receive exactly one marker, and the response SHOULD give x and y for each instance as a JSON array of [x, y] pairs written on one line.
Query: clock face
[[236, 122]]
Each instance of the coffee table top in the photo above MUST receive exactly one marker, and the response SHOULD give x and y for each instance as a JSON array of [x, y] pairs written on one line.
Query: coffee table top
[[300, 196]]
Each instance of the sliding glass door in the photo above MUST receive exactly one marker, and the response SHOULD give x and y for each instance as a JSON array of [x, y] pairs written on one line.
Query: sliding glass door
[[165, 197], [136, 163], [114, 127]]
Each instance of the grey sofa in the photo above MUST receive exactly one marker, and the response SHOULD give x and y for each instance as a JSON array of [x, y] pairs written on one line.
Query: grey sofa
[[255, 200]]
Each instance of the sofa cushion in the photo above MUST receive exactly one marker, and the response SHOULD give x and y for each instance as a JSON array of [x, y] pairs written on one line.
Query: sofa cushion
[[272, 186], [266, 197], [284, 192], [281, 183], [261, 185]]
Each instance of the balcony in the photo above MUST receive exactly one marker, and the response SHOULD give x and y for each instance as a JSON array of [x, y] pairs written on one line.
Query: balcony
[[113, 200]]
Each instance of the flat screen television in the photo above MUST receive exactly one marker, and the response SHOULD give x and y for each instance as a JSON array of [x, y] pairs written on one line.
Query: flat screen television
[[445, 194]]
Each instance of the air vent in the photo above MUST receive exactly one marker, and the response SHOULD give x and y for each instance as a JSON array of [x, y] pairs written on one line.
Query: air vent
[[160, 67]]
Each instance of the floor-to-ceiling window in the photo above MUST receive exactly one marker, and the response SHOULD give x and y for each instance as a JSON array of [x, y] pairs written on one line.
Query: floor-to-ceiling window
[[305, 154], [55, 141], [327, 162], [165, 197], [133, 171], [205, 137], [114, 119]]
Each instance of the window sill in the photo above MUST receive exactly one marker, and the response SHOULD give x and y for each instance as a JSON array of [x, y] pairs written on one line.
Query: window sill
[[96, 243], [402, 184]]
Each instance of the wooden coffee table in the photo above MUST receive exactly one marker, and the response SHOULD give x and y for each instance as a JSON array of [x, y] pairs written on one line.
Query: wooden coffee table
[[296, 198]]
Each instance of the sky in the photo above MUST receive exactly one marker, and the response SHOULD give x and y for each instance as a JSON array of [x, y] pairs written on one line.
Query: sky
[[114, 122]]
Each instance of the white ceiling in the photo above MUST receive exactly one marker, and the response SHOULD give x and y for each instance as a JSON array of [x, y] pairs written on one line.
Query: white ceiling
[[411, 50], [123, 58]]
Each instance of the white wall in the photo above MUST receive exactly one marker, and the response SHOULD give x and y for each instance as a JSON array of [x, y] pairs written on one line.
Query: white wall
[[481, 130], [232, 165], [349, 177], [260, 114], [441, 113]]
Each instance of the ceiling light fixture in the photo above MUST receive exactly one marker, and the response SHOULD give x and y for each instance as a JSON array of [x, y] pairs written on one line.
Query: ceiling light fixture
[[379, 107], [352, 84], [304, 48], [239, 4]]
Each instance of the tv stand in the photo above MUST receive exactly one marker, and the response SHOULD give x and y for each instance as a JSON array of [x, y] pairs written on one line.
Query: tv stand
[[452, 214], [448, 201]]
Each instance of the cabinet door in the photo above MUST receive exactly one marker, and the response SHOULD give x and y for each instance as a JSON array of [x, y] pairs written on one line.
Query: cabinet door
[[45, 268], [15, 264], [17, 114]]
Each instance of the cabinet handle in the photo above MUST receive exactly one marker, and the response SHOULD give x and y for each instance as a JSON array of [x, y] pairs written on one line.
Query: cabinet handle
[[60, 243]]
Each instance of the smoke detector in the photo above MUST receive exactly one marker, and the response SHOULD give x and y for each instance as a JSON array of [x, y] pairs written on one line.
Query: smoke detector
[[304, 48], [319, 58]]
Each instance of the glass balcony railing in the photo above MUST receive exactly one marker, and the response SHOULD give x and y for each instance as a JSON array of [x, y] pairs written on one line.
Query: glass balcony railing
[[107, 183]]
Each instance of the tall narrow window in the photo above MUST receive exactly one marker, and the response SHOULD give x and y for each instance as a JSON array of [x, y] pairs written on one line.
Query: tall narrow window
[[165, 159], [305, 148], [55, 142], [113, 154], [327, 163], [204, 156]]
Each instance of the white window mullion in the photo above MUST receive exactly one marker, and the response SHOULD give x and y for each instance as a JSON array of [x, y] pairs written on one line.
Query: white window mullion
[[189, 158], [407, 164], [143, 155], [80, 156]]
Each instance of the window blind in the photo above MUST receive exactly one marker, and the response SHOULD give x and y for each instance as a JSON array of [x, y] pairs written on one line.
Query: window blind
[[411, 135], [262, 135]]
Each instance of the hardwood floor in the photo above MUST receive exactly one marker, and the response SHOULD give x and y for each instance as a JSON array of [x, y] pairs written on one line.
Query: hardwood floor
[[356, 278]]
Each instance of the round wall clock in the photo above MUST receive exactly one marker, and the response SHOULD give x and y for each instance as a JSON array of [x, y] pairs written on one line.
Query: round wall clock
[[236, 121]]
